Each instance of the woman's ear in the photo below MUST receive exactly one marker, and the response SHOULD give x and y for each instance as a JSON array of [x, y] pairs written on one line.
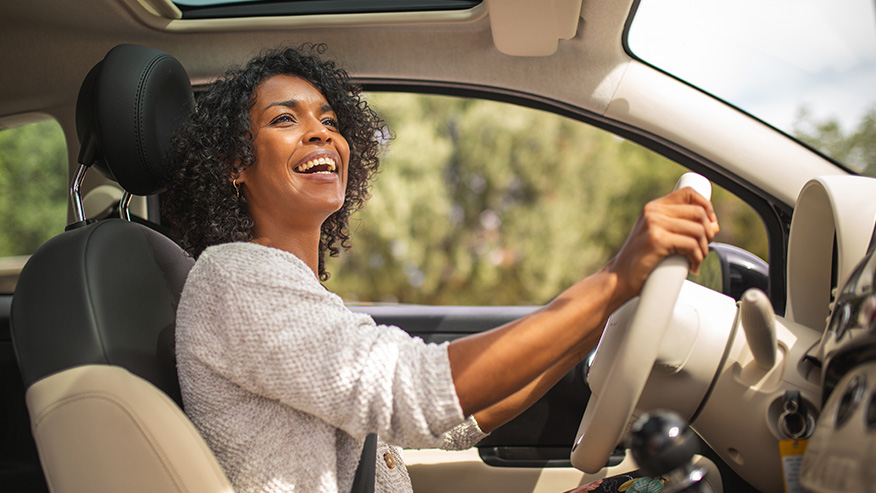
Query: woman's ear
[[238, 173], [238, 176]]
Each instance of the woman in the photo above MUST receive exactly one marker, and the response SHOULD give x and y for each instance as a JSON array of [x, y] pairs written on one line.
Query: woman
[[281, 379]]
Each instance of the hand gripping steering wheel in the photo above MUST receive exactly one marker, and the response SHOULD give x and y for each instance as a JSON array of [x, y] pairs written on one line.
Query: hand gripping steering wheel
[[626, 353]]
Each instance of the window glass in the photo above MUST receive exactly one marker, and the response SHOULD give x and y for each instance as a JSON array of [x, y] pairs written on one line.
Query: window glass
[[33, 202], [212, 9], [487, 203], [807, 67]]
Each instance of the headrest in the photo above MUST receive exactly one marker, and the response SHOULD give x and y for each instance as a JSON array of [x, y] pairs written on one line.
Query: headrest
[[129, 106]]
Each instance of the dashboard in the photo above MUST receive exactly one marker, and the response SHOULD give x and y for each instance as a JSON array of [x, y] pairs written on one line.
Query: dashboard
[[842, 450]]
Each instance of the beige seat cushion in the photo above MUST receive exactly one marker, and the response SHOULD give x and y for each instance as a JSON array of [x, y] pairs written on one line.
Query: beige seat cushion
[[100, 428]]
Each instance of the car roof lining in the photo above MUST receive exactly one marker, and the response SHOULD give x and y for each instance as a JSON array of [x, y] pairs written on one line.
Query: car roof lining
[[50, 68], [519, 27]]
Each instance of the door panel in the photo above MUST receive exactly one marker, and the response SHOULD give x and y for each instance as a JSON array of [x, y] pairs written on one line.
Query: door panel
[[463, 472]]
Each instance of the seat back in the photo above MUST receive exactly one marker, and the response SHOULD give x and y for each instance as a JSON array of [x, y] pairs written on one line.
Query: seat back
[[93, 313]]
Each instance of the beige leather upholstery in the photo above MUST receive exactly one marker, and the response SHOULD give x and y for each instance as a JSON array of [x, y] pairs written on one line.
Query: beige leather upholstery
[[100, 428]]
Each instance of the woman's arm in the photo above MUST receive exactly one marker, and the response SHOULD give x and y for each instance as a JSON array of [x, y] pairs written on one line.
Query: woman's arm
[[514, 361], [510, 407], [521, 360]]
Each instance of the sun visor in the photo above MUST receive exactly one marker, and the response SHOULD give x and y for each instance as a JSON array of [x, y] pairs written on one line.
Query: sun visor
[[527, 28]]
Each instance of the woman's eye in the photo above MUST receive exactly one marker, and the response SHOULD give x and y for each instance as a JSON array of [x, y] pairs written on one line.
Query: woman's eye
[[330, 122], [284, 118]]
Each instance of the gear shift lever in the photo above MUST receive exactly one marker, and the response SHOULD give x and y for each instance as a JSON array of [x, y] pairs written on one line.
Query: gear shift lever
[[663, 445]]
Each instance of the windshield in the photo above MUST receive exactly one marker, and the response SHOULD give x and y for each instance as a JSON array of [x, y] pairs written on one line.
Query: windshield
[[806, 67]]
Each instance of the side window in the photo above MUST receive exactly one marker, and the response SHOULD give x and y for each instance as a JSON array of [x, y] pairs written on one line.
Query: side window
[[487, 203], [33, 201]]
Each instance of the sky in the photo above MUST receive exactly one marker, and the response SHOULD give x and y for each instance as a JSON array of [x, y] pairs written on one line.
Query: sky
[[770, 57]]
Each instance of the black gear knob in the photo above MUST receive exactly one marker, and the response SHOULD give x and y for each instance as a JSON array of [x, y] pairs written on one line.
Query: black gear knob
[[662, 442], [664, 445]]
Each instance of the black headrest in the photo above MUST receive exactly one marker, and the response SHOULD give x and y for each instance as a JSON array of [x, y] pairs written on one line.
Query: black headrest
[[106, 292], [128, 109]]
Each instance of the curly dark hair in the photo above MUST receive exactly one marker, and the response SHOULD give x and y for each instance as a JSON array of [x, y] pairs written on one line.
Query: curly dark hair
[[201, 205]]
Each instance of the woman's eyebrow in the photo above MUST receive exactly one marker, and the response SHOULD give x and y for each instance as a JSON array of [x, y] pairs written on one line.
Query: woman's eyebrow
[[292, 103], [289, 103]]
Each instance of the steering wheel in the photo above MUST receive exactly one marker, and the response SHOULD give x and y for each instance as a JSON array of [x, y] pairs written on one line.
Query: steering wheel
[[626, 353]]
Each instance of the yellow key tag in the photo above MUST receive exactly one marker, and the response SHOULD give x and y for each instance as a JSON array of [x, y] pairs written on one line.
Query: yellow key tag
[[792, 457]]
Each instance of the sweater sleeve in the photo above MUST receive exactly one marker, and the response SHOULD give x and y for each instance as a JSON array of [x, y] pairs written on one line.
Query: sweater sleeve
[[268, 326], [463, 436]]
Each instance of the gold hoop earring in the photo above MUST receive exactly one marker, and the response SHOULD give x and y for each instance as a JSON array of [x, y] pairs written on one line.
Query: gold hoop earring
[[236, 187]]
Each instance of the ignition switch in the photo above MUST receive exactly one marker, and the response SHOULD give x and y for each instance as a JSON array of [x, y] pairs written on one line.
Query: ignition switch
[[796, 422]]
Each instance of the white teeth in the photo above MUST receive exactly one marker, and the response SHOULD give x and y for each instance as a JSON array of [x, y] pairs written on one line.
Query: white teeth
[[319, 161]]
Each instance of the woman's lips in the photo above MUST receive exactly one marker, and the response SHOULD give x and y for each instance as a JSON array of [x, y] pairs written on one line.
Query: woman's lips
[[321, 164]]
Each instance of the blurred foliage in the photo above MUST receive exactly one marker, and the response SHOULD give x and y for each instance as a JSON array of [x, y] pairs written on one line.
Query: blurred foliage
[[478, 202], [856, 148], [710, 274], [33, 186], [486, 203]]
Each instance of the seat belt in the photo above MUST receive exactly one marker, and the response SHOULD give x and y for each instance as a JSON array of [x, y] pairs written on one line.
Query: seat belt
[[363, 482]]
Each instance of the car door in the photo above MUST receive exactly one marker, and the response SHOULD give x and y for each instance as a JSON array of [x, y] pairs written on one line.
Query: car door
[[482, 212]]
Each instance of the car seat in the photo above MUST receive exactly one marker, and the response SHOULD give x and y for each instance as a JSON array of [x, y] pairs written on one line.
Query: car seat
[[94, 310]]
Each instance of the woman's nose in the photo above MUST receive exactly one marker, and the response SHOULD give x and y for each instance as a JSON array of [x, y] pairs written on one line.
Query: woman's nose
[[317, 132]]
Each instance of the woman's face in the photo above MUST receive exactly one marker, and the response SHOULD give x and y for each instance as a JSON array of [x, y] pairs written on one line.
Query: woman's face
[[300, 172]]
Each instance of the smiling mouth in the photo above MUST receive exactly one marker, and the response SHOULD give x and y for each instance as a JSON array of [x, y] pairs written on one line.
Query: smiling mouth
[[322, 165]]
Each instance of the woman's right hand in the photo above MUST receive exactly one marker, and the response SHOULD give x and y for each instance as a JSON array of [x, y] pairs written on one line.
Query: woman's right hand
[[518, 362], [682, 222]]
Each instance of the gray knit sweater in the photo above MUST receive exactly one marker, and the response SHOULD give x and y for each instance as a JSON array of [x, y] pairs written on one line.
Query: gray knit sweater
[[284, 382]]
